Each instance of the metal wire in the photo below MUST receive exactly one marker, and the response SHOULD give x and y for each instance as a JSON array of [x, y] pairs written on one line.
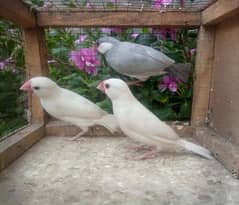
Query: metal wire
[[121, 4]]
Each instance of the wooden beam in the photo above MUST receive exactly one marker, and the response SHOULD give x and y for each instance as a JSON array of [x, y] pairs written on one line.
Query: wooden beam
[[219, 11], [14, 146], [17, 12], [99, 18], [36, 65], [203, 73], [223, 150]]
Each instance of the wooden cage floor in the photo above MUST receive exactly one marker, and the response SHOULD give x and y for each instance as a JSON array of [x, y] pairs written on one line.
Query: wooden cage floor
[[94, 170]]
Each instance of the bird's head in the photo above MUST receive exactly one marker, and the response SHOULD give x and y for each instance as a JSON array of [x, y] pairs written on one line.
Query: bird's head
[[114, 88], [41, 86], [106, 43], [107, 39]]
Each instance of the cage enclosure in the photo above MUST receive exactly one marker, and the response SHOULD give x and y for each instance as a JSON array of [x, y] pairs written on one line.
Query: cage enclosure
[[214, 112]]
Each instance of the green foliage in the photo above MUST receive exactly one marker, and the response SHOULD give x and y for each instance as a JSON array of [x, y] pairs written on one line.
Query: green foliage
[[11, 107]]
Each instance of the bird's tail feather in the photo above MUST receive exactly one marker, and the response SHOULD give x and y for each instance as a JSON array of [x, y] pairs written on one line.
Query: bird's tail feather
[[197, 149], [109, 121]]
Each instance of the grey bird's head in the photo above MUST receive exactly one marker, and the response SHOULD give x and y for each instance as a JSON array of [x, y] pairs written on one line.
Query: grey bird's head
[[107, 39], [41, 86], [106, 43]]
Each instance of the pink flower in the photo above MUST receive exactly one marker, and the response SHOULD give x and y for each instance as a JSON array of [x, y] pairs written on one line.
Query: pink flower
[[165, 33], [106, 30], [2, 65], [159, 3], [134, 35], [89, 4], [193, 51], [47, 4], [170, 83], [81, 39], [85, 59]]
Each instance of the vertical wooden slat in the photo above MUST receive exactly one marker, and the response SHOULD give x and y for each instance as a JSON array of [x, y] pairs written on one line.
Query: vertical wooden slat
[[203, 73], [36, 65]]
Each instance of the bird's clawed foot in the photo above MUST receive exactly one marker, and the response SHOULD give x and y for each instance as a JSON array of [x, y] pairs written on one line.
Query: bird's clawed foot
[[139, 148], [78, 137], [151, 153], [148, 155]]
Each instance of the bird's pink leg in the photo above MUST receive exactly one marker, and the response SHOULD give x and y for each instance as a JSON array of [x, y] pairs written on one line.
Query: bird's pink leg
[[78, 136], [150, 154], [139, 148]]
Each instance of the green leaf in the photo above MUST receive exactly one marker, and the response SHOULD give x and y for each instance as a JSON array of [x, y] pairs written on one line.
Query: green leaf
[[166, 113], [185, 111], [145, 39]]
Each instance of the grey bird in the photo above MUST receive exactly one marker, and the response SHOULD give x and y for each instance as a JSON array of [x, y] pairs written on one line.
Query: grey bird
[[139, 61]]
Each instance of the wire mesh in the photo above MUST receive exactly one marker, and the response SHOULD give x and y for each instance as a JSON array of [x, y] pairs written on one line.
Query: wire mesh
[[120, 4]]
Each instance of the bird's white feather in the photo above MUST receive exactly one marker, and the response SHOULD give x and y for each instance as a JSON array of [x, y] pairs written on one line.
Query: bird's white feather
[[139, 123], [68, 106]]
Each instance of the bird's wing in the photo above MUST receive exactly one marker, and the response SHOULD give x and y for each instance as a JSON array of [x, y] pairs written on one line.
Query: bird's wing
[[140, 120], [71, 105], [137, 60], [148, 52]]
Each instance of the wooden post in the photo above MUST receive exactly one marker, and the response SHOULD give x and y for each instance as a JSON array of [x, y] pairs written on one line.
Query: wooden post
[[219, 11], [203, 73], [36, 65]]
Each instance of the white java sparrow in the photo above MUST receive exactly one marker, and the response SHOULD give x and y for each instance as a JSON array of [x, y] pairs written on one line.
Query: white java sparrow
[[68, 106], [140, 124], [139, 61]]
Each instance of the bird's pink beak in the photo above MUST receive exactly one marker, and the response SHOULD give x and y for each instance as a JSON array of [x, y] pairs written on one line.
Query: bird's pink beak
[[26, 86], [101, 87]]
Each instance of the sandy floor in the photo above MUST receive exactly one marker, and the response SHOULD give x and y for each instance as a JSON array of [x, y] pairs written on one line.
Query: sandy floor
[[95, 172]]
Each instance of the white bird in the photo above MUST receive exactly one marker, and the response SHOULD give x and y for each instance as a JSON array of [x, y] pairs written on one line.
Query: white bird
[[137, 122], [68, 106]]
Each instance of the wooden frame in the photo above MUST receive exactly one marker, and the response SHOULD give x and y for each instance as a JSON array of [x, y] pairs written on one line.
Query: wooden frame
[[220, 10], [36, 65], [17, 12], [12, 147], [99, 18], [203, 72], [34, 23]]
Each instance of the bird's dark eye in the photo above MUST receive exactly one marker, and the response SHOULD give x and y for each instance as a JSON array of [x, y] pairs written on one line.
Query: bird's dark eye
[[107, 85], [36, 88]]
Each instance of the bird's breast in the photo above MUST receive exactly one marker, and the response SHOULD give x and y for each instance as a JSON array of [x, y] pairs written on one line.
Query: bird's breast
[[51, 107]]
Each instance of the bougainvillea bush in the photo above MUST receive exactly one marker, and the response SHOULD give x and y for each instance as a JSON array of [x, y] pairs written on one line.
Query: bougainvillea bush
[[75, 64]]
